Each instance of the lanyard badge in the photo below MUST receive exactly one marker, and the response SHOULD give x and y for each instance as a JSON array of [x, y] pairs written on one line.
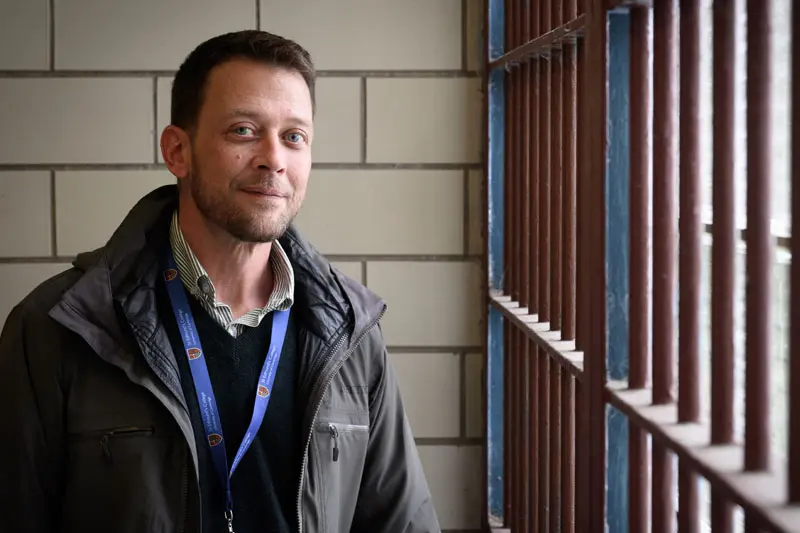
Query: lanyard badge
[[202, 381]]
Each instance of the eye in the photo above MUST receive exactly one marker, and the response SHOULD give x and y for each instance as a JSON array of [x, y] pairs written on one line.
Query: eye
[[295, 137], [243, 131]]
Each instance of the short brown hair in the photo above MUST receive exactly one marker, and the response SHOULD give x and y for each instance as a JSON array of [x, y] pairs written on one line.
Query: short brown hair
[[261, 46]]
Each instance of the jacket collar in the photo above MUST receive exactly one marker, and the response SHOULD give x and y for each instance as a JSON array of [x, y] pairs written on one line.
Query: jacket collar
[[116, 274]]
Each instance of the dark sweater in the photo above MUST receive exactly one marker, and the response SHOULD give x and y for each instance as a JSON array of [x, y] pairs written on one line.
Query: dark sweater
[[265, 483]]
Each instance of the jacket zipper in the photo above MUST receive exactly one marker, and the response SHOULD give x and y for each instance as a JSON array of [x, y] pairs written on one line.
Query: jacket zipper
[[335, 437], [328, 381], [121, 432], [334, 429]]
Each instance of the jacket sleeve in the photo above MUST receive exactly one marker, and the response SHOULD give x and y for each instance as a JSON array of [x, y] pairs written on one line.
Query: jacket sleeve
[[394, 496], [30, 448]]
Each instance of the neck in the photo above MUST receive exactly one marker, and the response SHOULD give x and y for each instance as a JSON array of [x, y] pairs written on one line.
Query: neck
[[240, 271]]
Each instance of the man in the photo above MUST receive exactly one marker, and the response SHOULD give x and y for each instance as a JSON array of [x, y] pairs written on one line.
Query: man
[[207, 369]]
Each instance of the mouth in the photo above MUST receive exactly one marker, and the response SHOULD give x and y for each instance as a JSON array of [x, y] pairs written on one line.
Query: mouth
[[264, 192]]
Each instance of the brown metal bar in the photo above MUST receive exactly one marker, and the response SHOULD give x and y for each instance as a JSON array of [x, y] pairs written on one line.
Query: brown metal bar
[[581, 292], [556, 179], [533, 274], [525, 422], [594, 177], [793, 450], [689, 226], [690, 231], [567, 453], [544, 44], [521, 178], [665, 132], [523, 29], [555, 447], [544, 178], [581, 458], [723, 251], [759, 240], [762, 494], [639, 309], [557, 14], [533, 427], [783, 242], [544, 442], [533, 166], [544, 274], [581, 201], [563, 352], [664, 165], [568, 214]]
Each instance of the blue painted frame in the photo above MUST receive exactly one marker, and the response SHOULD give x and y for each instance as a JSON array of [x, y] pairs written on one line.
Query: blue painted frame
[[617, 193], [494, 377]]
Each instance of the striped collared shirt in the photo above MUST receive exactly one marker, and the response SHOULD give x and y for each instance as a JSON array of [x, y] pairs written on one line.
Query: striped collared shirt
[[197, 282]]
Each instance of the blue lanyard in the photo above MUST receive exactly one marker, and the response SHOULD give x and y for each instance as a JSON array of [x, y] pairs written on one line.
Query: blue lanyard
[[202, 381]]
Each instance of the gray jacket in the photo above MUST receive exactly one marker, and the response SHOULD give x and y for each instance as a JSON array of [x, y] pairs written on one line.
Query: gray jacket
[[85, 365]]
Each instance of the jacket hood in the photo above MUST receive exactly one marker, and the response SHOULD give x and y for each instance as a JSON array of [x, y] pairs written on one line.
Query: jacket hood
[[325, 299]]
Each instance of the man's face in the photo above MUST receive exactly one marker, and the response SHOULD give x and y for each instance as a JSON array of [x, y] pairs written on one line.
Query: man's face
[[251, 151]]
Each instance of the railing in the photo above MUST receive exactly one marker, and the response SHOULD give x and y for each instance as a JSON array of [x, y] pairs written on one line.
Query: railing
[[613, 346]]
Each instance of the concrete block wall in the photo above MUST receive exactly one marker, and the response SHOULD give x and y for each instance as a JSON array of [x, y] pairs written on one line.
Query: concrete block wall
[[394, 197]]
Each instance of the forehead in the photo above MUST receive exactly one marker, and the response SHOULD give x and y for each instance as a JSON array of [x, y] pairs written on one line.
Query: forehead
[[257, 88]]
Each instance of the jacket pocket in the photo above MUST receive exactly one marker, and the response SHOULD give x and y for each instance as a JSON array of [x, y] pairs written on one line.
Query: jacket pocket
[[341, 449], [131, 475], [109, 438]]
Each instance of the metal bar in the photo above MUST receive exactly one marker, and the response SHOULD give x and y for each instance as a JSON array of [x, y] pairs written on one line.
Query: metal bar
[[533, 428], [567, 453], [690, 231], [759, 240], [521, 275], [549, 342], [793, 450], [533, 166], [555, 447], [529, 349], [568, 214], [762, 494], [581, 459], [581, 201], [544, 442], [544, 177], [533, 271], [556, 178], [639, 309], [524, 231], [543, 45], [554, 377], [664, 165], [594, 182], [780, 241], [581, 290], [723, 250], [544, 274]]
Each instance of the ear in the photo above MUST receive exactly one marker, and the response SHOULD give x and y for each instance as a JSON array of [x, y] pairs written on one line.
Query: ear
[[176, 151]]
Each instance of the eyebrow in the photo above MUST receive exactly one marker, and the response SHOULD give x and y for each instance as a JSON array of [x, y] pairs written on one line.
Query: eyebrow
[[255, 115]]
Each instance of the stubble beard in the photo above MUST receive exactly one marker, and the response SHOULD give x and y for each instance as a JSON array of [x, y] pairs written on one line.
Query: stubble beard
[[252, 226]]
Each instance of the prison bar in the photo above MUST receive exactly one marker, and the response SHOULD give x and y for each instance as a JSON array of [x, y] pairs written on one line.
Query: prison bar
[[638, 297], [723, 248]]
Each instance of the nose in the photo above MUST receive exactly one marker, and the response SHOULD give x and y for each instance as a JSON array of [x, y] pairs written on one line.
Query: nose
[[270, 155]]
